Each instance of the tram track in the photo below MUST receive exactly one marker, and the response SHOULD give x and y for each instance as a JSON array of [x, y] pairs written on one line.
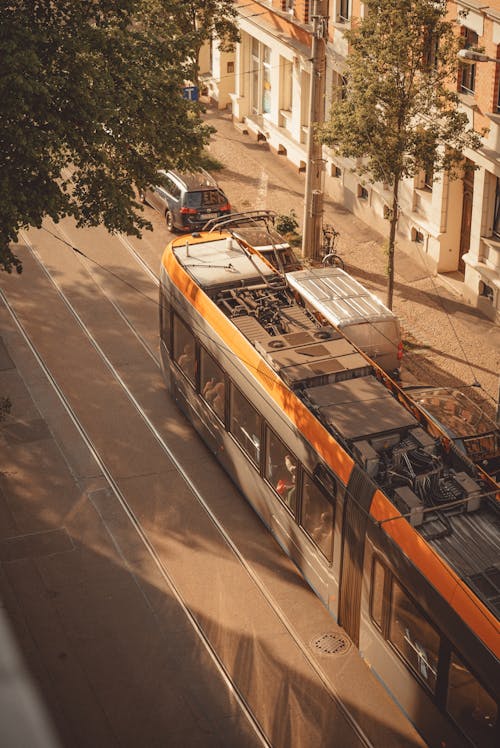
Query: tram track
[[125, 506], [169, 452]]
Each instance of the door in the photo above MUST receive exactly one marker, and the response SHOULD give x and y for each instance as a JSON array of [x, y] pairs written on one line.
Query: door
[[358, 498], [468, 194]]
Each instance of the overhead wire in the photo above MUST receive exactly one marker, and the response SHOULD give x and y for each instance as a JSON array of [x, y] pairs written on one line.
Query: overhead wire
[[354, 498]]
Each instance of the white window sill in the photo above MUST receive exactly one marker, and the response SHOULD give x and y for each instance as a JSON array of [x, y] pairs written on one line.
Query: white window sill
[[492, 241], [468, 100]]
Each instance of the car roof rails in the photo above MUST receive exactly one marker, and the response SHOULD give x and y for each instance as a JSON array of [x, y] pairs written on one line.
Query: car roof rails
[[233, 220], [196, 179]]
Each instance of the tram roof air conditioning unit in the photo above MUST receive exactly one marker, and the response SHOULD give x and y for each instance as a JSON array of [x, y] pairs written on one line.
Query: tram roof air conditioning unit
[[408, 503], [366, 456]]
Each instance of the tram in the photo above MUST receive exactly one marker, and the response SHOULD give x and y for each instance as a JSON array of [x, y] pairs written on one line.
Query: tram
[[395, 529]]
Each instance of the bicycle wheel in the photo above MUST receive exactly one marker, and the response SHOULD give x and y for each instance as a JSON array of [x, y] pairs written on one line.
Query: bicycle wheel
[[333, 260]]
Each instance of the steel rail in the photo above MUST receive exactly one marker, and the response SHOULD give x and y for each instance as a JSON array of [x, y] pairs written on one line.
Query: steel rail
[[355, 726], [232, 688]]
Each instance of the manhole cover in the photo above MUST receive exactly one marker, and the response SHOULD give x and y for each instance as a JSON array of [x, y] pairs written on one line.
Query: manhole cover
[[331, 644]]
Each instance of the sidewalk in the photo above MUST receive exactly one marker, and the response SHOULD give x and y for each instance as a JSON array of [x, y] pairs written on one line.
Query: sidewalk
[[447, 342]]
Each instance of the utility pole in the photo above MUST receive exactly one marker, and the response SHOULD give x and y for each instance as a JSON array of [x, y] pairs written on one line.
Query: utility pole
[[313, 198]]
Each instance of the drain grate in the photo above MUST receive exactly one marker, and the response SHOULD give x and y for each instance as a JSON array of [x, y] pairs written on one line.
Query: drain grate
[[331, 644]]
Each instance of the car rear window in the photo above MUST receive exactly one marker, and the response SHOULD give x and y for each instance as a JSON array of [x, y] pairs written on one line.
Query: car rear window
[[204, 198]]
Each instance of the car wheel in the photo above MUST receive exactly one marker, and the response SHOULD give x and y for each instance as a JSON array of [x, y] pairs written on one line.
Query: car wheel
[[169, 220]]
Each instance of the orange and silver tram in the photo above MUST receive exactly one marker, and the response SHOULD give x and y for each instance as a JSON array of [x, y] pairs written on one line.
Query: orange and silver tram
[[397, 532]]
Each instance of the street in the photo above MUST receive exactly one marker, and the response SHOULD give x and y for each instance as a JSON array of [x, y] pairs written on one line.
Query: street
[[150, 604]]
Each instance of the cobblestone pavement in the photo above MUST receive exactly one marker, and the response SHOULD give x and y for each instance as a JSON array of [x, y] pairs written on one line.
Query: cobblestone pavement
[[447, 342]]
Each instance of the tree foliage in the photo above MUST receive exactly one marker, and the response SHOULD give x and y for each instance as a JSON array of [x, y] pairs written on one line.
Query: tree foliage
[[201, 20], [399, 111], [90, 105]]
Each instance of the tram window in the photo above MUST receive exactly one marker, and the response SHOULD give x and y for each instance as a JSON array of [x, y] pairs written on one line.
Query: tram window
[[165, 318], [377, 593], [244, 424], [413, 636], [471, 706], [184, 350], [281, 470], [212, 385], [317, 516]]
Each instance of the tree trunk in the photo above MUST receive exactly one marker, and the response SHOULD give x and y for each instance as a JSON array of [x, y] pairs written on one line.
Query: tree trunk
[[392, 243]]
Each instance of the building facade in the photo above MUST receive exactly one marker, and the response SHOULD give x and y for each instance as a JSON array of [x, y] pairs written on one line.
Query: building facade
[[266, 81]]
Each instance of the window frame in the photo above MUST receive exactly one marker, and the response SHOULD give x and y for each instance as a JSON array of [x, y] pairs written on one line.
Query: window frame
[[440, 694], [414, 671], [343, 11], [260, 78], [293, 506], [166, 323], [304, 475], [203, 352], [467, 80], [497, 84], [384, 602], [458, 657], [495, 228], [175, 359], [231, 389]]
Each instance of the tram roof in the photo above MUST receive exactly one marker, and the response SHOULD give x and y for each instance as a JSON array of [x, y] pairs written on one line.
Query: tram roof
[[449, 504], [338, 296], [216, 262]]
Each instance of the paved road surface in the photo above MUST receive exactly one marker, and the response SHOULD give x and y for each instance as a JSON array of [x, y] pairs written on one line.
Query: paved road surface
[[150, 605]]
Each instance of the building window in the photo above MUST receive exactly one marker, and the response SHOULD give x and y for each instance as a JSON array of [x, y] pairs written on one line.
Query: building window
[[317, 516], [413, 637], [431, 49], [307, 10], [281, 470], [470, 705], [261, 78], [496, 215], [497, 83], [339, 87], [485, 291], [255, 76], [468, 72], [362, 192], [212, 384], [344, 10], [286, 84], [266, 79], [429, 178], [244, 424]]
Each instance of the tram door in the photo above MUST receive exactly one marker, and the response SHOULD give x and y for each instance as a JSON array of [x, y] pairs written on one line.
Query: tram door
[[357, 501]]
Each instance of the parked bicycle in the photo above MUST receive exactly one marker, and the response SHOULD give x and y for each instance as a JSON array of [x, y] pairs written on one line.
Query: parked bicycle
[[331, 258]]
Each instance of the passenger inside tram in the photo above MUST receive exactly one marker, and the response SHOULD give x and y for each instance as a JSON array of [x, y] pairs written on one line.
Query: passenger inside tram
[[286, 483], [186, 358], [214, 392]]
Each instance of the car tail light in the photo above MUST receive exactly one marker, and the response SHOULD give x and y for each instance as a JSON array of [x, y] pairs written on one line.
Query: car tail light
[[227, 207], [400, 350], [189, 211]]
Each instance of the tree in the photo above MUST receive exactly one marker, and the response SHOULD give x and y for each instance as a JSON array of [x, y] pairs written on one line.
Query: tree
[[203, 20], [90, 105], [398, 112]]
